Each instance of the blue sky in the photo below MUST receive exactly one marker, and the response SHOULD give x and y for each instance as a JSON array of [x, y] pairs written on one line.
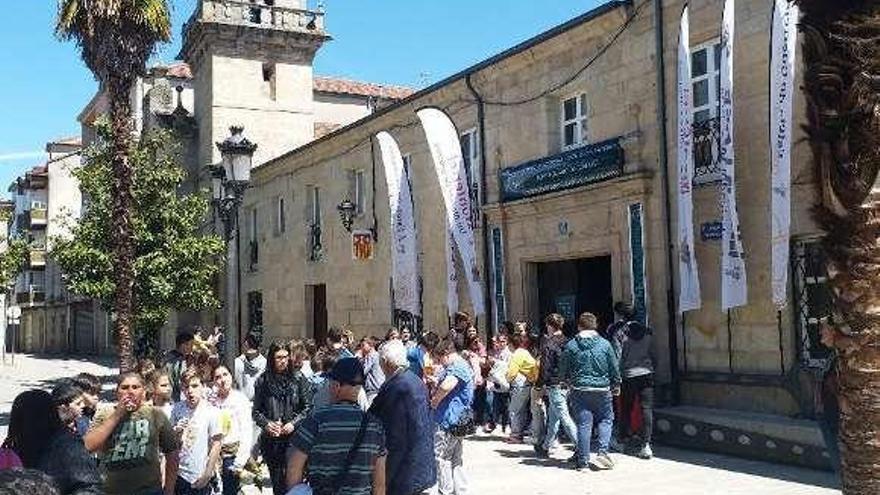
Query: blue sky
[[44, 85]]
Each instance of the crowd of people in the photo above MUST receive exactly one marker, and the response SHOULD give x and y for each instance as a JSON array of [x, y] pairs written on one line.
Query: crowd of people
[[374, 416]]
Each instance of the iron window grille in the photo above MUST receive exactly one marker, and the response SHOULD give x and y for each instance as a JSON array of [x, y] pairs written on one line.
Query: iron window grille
[[707, 165], [813, 301]]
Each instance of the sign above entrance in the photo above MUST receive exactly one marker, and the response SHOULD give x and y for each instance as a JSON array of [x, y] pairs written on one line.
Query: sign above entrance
[[578, 167], [710, 231]]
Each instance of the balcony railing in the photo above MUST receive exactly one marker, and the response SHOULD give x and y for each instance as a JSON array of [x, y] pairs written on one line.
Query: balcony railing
[[255, 14], [36, 295], [253, 255], [38, 257], [38, 216], [316, 250], [707, 165]]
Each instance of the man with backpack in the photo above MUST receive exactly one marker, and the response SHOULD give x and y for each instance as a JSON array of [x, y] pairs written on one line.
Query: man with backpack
[[634, 346], [343, 445]]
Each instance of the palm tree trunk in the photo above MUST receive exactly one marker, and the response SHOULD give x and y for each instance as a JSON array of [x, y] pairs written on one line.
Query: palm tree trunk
[[121, 235], [842, 86]]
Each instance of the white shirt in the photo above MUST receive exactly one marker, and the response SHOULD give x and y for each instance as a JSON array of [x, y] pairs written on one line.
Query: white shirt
[[200, 425], [236, 424]]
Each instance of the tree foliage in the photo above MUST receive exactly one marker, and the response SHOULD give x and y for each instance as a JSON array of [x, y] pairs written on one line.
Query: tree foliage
[[116, 38], [174, 264], [12, 260]]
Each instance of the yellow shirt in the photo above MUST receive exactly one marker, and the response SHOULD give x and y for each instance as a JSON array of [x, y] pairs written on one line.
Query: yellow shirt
[[522, 362]]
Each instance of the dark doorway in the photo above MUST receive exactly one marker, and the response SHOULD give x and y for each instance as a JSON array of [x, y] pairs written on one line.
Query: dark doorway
[[572, 287], [317, 294]]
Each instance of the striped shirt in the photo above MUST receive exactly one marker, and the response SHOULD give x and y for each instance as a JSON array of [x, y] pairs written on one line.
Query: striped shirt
[[327, 436]]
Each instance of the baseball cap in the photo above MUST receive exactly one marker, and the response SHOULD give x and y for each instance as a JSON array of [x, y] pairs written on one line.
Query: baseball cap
[[347, 371]]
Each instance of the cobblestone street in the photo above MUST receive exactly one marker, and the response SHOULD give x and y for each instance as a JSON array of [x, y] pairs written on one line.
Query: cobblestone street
[[495, 468]]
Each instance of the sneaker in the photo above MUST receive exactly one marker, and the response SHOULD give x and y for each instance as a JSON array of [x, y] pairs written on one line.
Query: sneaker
[[489, 428], [514, 440], [646, 452], [602, 462], [579, 465], [615, 445], [541, 452]]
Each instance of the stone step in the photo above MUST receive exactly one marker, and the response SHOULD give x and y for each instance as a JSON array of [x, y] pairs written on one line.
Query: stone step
[[750, 435]]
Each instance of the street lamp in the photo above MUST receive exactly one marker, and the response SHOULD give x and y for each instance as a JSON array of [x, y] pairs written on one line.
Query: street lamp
[[346, 211], [229, 180]]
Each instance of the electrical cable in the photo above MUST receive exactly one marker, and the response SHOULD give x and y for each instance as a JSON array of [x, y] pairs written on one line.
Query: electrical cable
[[560, 85]]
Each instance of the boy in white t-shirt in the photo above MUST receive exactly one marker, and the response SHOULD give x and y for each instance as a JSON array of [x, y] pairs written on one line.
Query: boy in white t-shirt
[[198, 424]]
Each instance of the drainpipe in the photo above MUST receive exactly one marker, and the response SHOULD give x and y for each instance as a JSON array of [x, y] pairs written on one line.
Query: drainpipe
[[481, 122], [663, 152]]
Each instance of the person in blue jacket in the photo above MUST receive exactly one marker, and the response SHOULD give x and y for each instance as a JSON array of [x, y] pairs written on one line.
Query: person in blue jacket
[[402, 406]]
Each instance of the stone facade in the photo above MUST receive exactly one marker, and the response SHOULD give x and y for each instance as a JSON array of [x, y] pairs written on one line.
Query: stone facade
[[749, 359]]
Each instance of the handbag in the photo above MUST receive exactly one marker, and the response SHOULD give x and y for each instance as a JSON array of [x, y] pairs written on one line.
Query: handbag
[[306, 489], [465, 426]]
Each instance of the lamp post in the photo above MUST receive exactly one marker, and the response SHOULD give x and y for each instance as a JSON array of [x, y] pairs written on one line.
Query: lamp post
[[229, 180]]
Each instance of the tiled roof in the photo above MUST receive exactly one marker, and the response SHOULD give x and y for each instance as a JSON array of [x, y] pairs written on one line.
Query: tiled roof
[[69, 141], [349, 87], [324, 128], [322, 84], [174, 69]]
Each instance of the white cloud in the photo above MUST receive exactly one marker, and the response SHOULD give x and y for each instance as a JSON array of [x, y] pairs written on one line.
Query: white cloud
[[21, 155]]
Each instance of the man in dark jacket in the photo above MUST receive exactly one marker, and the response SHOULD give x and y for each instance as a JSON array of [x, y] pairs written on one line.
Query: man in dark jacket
[[402, 405], [637, 363]]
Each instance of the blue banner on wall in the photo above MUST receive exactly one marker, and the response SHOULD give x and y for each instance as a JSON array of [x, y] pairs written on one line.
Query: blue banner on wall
[[498, 276], [580, 166], [637, 262]]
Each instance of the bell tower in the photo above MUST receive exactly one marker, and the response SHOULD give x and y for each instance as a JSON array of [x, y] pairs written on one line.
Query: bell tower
[[252, 66]]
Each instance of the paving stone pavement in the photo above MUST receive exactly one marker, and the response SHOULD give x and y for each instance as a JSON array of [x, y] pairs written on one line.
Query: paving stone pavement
[[496, 468], [28, 371]]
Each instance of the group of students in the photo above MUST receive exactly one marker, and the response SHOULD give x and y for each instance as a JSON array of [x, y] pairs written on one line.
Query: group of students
[[538, 382], [377, 416]]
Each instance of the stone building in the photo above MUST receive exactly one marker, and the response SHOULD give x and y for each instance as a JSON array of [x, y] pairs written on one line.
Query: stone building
[[570, 144], [243, 64], [47, 202]]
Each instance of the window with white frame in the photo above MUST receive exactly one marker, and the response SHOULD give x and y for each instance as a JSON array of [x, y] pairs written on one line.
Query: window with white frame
[[470, 152], [574, 121], [706, 79]]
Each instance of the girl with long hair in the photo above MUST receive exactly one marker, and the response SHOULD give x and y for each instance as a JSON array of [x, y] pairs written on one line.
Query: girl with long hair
[[43, 442], [282, 399]]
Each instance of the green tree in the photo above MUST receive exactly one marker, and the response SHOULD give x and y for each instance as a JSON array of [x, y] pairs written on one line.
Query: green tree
[[174, 263], [116, 38], [12, 260], [842, 88]]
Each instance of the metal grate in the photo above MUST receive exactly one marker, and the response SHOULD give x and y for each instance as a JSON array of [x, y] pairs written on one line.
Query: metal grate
[[707, 166], [314, 239], [812, 300], [255, 310]]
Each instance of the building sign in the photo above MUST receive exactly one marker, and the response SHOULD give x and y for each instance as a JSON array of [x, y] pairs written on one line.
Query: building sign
[[565, 306], [573, 168], [498, 276], [362, 245], [710, 231], [637, 262]]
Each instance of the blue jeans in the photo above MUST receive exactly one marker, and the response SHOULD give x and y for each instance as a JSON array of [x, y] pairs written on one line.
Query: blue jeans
[[500, 401], [231, 483], [183, 487], [586, 406], [557, 413]]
